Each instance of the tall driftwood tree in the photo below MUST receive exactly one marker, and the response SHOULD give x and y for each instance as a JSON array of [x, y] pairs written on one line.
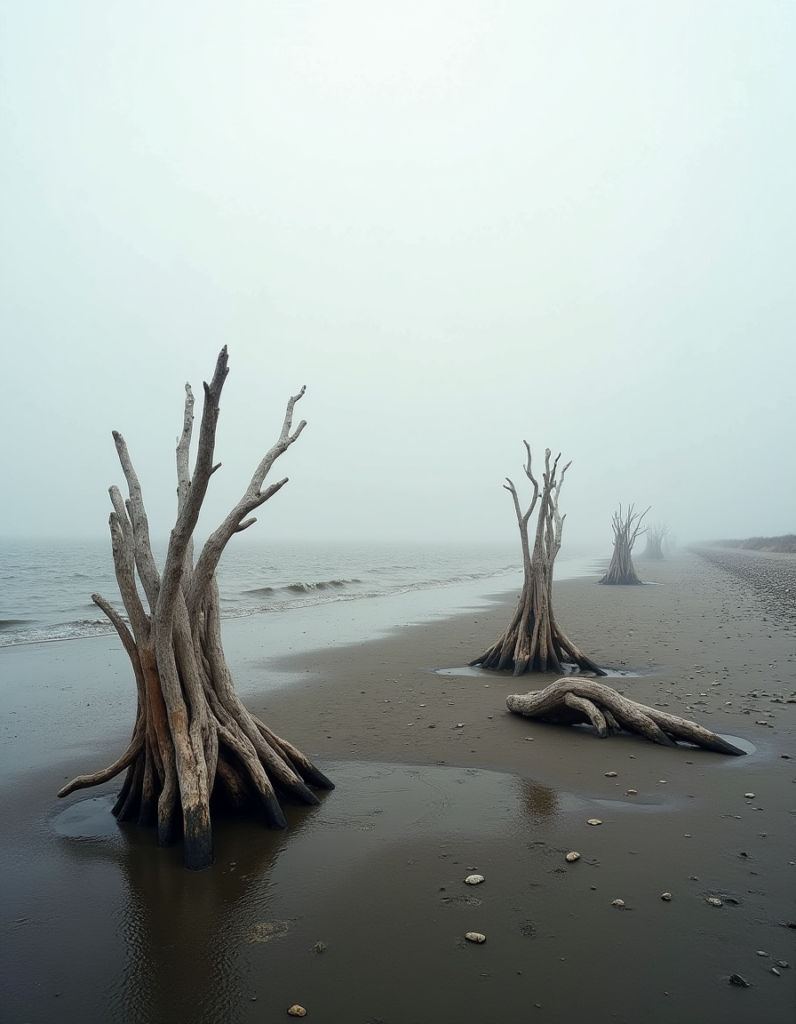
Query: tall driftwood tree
[[533, 640], [656, 536], [193, 738], [627, 527]]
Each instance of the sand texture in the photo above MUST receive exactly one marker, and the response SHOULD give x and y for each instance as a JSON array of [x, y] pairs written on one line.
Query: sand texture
[[359, 911]]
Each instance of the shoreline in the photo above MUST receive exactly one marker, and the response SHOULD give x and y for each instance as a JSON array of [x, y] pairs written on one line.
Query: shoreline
[[434, 776]]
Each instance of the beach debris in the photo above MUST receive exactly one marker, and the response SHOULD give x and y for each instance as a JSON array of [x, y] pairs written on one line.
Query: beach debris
[[775, 971], [477, 937], [574, 699], [610, 775], [474, 879], [626, 526], [319, 947], [594, 821], [632, 792], [782, 963], [749, 796], [714, 901], [761, 952], [296, 1011], [666, 896], [572, 857], [459, 725], [736, 979], [618, 903]]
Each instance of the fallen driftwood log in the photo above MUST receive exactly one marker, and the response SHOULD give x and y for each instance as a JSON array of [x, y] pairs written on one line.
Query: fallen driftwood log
[[572, 700]]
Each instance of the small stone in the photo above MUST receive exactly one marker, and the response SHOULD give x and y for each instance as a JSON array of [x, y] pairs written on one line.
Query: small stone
[[572, 857], [610, 775], [736, 979], [714, 901], [666, 896], [632, 792], [594, 821], [475, 937], [617, 903], [775, 971], [296, 1011], [761, 952], [749, 796], [474, 879], [459, 725], [782, 963]]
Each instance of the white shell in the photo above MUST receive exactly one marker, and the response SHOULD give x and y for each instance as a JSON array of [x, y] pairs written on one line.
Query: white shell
[[297, 1011], [749, 796], [617, 903], [632, 792], [666, 896], [475, 937], [572, 856], [594, 821], [474, 879], [610, 775], [714, 902]]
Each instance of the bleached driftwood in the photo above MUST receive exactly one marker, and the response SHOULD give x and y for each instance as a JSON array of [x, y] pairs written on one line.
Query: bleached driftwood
[[572, 700], [626, 529], [193, 737]]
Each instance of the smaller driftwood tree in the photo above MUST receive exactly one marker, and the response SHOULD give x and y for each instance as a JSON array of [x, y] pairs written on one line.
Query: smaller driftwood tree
[[571, 701], [193, 739], [656, 536], [533, 640], [627, 527]]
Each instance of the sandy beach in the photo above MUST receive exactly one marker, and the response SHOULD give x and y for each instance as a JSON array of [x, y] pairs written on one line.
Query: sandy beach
[[358, 911]]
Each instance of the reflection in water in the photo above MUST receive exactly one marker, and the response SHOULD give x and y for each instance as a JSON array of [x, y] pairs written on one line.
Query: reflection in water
[[540, 802], [183, 929], [229, 943]]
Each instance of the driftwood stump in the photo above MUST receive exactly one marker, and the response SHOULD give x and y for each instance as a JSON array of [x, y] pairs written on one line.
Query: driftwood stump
[[193, 738], [573, 700], [626, 527]]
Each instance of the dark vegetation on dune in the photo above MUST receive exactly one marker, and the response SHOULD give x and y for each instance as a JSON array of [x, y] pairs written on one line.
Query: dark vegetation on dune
[[785, 544]]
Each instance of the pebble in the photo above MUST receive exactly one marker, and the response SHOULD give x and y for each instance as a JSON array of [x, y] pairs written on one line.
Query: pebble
[[617, 903], [573, 856], [782, 963], [610, 775], [594, 821], [761, 952], [632, 792], [736, 979], [749, 796], [666, 896], [475, 937], [474, 879], [714, 902], [296, 1011]]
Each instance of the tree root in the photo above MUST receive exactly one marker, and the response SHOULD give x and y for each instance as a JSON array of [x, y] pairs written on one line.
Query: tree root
[[574, 700]]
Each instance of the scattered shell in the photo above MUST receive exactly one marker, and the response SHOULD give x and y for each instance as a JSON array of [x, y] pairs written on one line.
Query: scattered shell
[[666, 896], [594, 821], [749, 796], [475, 937], [610, 775], [296, 1011], [573, 856], [761, 952], [782, 963], [459, 725], [736, 979], [474, 879], [632, 792], [714, 902], [617, 903], [775, 971]]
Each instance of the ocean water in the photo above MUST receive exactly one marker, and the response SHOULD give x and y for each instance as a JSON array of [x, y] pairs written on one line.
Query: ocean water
[[46, 586]]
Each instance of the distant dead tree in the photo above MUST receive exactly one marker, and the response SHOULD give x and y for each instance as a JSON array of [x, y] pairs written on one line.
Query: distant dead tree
[[656, 535], [193, 738], [627, 527], [533, 640]]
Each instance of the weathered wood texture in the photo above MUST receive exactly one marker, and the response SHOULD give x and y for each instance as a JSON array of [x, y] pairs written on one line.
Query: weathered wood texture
[[193, 739], [572, 700], [533, 640], [656, 538], [626, 527]]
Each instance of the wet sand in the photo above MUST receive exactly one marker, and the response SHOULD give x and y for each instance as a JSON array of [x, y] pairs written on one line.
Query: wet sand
[[435, 778]]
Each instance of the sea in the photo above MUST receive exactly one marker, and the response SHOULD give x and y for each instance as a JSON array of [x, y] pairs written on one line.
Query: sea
[[46, 585]]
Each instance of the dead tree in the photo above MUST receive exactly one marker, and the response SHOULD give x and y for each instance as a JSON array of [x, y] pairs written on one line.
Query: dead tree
[[533, 640], [656, 535], [627, 528], [572, 700], [193, 738]]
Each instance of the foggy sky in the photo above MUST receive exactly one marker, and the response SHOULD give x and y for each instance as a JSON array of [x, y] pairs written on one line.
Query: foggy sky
[[461, 225]]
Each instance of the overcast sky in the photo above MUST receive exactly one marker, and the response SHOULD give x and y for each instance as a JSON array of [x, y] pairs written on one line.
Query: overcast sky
[[459, 224]]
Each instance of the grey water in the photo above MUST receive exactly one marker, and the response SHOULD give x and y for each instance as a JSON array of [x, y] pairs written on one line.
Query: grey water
[[46, 585]]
